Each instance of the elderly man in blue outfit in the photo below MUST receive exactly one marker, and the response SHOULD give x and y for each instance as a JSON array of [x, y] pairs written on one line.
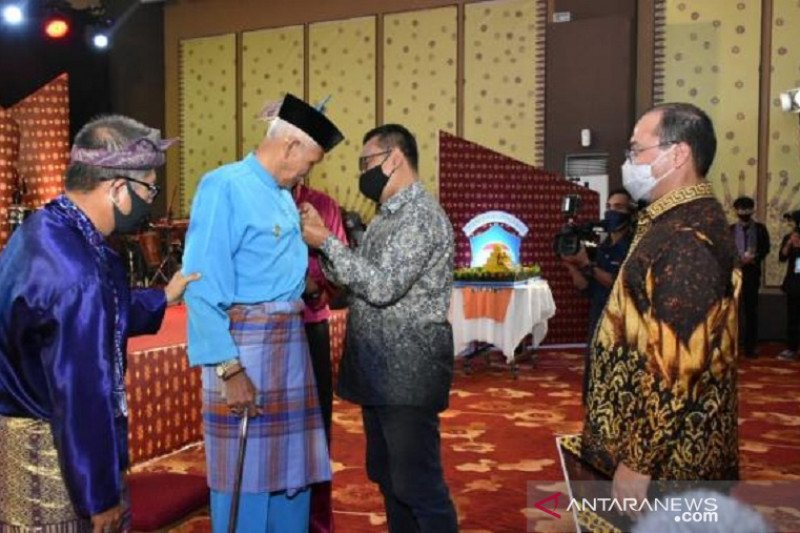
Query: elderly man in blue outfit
[[398, 357], [246, 326], [66, 313]]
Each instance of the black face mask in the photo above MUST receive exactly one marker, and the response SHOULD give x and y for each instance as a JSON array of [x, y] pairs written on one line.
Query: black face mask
[[372, 182], [139, 210], [616, 220], [745, 218]]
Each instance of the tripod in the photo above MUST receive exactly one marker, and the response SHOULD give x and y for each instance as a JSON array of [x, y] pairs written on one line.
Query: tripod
[[172, 257], [172, 246]]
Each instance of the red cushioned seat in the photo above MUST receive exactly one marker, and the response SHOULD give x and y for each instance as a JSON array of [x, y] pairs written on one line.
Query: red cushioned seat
[[159, 499]]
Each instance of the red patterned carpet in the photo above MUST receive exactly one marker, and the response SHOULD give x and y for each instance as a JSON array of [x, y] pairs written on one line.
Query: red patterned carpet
[[498, 436]]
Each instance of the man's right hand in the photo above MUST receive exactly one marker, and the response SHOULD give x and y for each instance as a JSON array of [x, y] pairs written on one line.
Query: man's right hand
[[107, 521], [240, 394]]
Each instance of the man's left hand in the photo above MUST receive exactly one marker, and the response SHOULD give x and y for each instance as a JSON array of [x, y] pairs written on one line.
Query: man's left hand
[[314, 230], [177, 286], [629, 484]]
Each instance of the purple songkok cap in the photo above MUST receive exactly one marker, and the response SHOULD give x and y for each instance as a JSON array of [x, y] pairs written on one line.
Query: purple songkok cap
[[141, 154]]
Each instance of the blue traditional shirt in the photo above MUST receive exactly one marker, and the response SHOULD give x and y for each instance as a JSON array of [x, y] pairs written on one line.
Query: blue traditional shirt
[[244, 236], [66, 312]]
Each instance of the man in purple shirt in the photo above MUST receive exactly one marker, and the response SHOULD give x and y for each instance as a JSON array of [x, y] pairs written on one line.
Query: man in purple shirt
[[66, 313], [318, 293]]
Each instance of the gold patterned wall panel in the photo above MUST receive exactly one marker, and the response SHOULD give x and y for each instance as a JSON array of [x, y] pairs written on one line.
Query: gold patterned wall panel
[[504, 77], [342, 65], [783, 157], [419, 80], [9, 176], [272, 65], [708, 54], [207, 108], [43, 119]]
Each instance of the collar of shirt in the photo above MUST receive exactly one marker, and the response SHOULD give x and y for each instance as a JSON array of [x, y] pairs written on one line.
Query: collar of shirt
[[253, 164], [669, 201], [402, 197], [674, 199], [74, 216]]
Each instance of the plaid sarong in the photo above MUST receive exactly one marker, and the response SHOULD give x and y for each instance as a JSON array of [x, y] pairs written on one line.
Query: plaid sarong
[[33, 496], [286, 447]]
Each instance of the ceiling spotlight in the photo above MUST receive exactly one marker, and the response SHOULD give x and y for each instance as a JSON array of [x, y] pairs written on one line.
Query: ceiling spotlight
[[790, 100], [12, 14], [56, 27], [100, 41]]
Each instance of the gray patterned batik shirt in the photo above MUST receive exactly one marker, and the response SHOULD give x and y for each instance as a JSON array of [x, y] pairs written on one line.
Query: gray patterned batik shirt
[[399, 344]]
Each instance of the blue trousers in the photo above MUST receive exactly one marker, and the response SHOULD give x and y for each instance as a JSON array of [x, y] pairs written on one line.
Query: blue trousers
[[403, 458], [262, 513]]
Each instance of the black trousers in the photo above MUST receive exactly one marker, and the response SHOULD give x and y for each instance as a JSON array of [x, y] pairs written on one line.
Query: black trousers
[[319, 345], [748, 310], [792, 321], [404, 459]]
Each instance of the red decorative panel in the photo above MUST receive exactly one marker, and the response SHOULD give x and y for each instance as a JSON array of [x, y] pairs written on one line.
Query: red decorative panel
[[9, 153], [43, 118], [474, 179], [164, 402]]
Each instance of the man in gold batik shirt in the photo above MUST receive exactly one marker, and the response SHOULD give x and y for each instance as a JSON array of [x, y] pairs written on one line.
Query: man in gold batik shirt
[[662, 395]]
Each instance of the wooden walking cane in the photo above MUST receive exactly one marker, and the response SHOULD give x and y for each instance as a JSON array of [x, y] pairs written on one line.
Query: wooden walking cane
[[237, 482]]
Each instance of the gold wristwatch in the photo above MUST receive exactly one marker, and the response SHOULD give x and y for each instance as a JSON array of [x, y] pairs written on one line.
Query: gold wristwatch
[[224, 367]]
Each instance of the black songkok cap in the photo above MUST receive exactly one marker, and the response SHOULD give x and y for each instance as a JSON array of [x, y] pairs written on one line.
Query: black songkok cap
[[313, 122]]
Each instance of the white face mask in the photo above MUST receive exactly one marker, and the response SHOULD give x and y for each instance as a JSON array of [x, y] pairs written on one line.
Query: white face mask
[[638, 179]]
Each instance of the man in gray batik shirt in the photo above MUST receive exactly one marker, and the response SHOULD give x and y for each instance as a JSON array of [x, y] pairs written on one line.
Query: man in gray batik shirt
[[398, 360]]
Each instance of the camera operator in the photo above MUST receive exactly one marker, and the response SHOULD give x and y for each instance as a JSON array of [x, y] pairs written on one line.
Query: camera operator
[[595, 278], [790, 254]]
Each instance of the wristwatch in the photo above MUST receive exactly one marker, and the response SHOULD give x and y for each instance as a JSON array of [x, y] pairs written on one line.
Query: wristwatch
[[224, 367]]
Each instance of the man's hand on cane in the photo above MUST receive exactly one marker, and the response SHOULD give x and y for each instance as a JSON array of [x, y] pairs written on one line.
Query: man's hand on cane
[[241, 394]]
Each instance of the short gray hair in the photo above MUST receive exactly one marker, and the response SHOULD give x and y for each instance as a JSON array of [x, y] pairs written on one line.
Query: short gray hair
[[109, 132], [279, 129]]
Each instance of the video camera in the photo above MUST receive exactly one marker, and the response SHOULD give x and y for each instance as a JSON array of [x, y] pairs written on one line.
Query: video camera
[[568, 241]]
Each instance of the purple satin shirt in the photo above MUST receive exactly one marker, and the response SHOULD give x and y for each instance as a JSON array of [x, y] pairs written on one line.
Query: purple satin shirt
[[56, 347], [318, 310]]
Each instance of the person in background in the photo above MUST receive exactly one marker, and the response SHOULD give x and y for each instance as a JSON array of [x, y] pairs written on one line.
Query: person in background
[[398, 360], [66, 313], [790, 254], [752, 245], [595, 278], [317, 295], [246, 326]]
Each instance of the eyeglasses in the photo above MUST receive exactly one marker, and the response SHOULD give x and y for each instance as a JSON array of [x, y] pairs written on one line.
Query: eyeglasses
[[152, 188], [363, 160], [633, 153]]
